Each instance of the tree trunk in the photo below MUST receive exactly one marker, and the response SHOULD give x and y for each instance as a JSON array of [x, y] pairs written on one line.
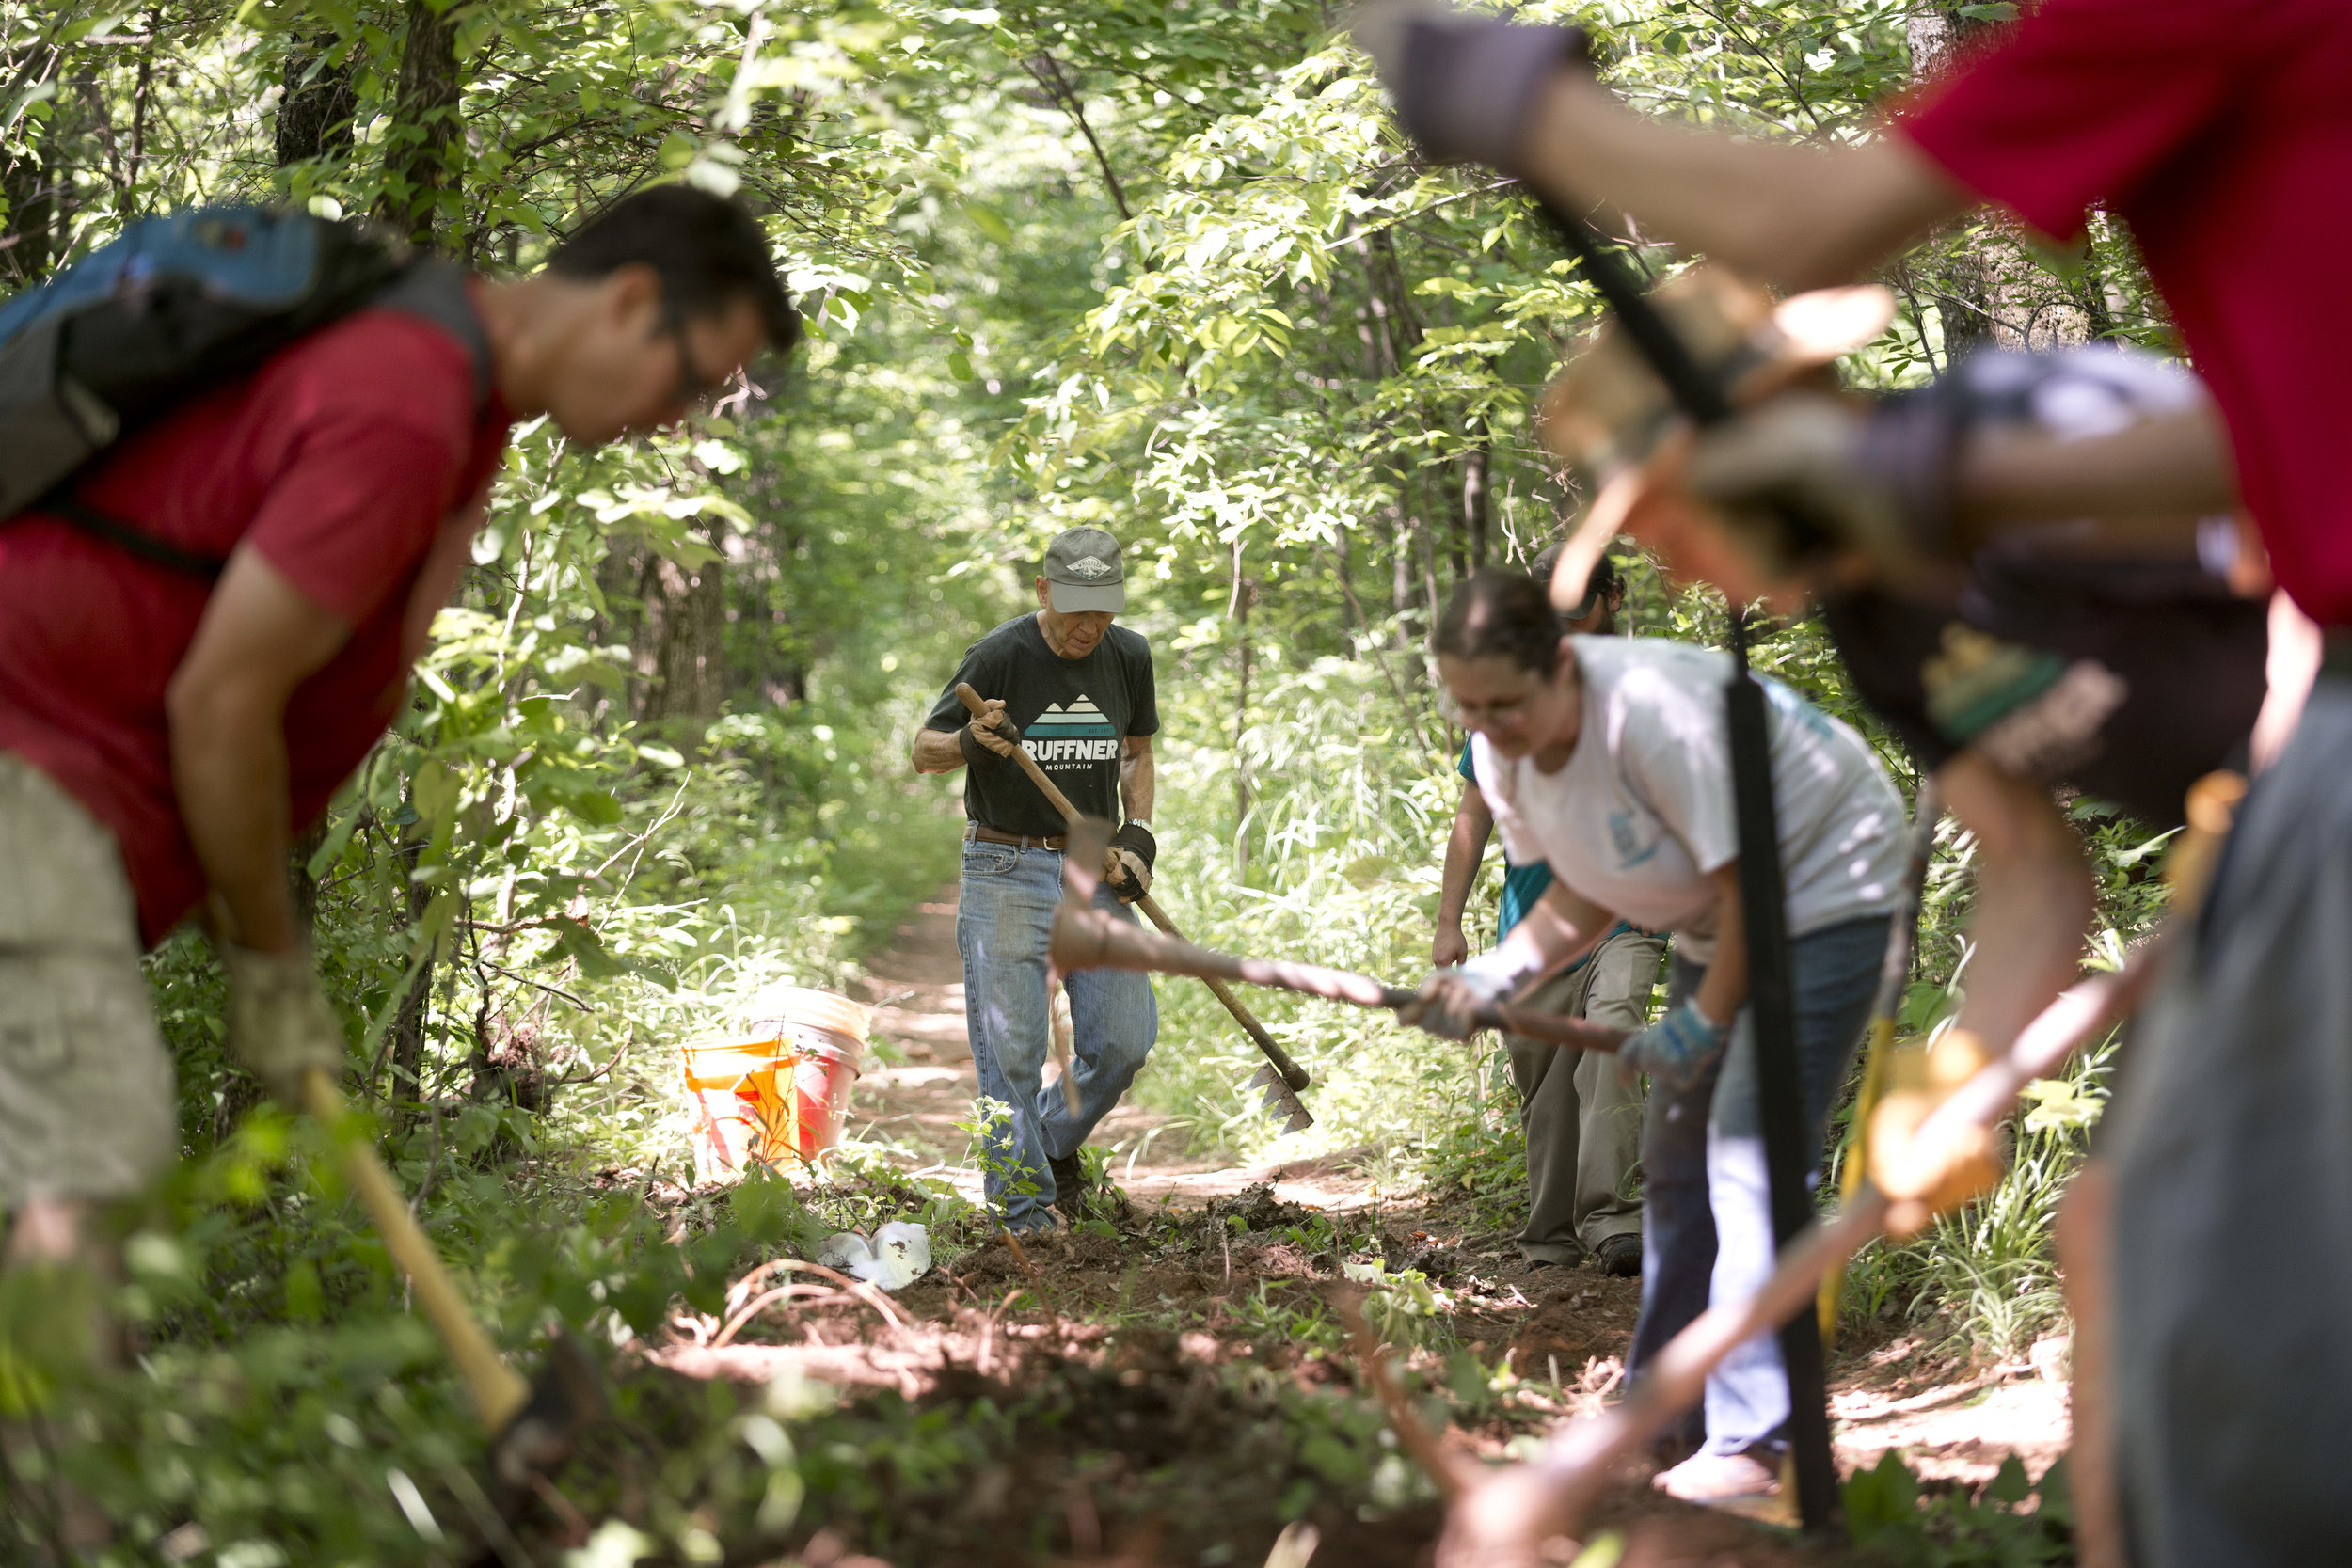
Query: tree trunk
[[1238, 608], [684, 653], [420, 180], [315, 115], [1475, 511]]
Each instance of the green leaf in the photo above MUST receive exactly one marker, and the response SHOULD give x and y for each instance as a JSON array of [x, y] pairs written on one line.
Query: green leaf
[[1883, 1498], [989, 221]]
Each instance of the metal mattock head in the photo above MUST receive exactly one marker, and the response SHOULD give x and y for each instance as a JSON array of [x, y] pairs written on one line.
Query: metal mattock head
[[1281, 1101]]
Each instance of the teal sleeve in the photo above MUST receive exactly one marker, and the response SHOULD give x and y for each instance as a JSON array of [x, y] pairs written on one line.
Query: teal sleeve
[[1463, 767]]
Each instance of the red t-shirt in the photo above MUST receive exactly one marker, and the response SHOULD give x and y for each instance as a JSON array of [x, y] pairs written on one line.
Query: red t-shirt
[[2221, 132], [355, 463]]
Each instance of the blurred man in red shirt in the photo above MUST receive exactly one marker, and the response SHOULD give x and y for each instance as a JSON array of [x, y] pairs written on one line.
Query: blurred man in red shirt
[[2221, 132], [163, 737]]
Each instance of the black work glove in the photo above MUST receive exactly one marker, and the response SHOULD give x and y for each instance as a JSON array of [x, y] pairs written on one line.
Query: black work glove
[[979, 755], [1128, 867], [1465, 85]]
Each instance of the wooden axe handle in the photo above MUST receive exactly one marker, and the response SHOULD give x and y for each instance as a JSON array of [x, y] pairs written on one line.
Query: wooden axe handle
[[1293, 1075], [499, 1392]]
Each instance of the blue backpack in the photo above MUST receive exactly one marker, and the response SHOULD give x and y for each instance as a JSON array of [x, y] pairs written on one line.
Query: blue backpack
[[177, 305]]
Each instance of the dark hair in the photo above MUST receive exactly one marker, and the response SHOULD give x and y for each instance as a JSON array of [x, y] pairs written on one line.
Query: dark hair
[[1503, 616], [707, 249], [1607, 577]]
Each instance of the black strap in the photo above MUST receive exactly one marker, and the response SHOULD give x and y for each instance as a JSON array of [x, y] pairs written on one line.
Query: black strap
[[98, 525]]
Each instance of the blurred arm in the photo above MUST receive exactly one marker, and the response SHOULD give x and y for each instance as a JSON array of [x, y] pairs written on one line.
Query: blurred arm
[[2033, 897], [1797, 216], [1464, 846], [1138, 778], [259, 640]]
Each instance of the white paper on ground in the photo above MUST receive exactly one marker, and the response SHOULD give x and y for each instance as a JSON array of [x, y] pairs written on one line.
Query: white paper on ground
[[899, 1254]]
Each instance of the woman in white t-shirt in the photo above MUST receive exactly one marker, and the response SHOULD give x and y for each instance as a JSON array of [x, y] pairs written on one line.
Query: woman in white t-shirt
[[1608, 758]]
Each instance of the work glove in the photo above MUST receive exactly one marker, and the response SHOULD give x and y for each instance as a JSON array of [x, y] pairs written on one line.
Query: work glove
[[1925, 1179], [1448, 1000], [1465, 85], [977, 753], [1876, 480], [280, 1023], [1675, 1049], [1128, 865]]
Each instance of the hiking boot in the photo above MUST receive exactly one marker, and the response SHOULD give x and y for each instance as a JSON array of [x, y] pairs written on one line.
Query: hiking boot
[[1619, 1257], [1069, 1182], [1720, 1480]]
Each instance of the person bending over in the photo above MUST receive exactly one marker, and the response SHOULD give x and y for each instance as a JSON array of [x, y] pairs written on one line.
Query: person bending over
[[1077, 692], [2197, 124], [164, 737], [1582, 1118], [1606, 758]]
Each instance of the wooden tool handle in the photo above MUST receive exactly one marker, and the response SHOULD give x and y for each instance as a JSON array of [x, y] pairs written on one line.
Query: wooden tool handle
[[1053, 797], [1087, 938], [499, 1392], [1293, 1075]]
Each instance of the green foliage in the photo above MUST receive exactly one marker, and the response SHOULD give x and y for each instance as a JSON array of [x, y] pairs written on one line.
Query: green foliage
[[1894, 1523]]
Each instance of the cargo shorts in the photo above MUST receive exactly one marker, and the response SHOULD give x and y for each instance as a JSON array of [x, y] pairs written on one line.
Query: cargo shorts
[[89, 1108]]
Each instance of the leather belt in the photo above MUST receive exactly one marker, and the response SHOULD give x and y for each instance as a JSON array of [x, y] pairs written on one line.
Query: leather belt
[[1019, 841]]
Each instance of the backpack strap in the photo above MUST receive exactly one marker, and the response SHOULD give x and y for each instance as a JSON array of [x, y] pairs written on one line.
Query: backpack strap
[[147, 546], [437, 292]]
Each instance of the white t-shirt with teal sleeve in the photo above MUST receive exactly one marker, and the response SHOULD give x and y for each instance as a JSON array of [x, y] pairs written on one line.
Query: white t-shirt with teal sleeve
[[1642, 812]]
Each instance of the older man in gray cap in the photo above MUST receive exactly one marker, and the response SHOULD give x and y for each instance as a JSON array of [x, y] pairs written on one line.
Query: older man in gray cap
[[1075, 691]]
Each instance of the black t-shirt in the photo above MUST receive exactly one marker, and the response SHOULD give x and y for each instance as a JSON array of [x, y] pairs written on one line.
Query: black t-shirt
[[2127, 680], [1073, 713]]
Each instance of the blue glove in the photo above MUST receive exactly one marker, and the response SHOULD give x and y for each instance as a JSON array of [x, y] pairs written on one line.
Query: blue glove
[[1465, 84], [1675, 1049]]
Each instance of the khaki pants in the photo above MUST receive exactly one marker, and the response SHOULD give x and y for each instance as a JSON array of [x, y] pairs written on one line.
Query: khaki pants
[[1583, 1126], [87, 1105]]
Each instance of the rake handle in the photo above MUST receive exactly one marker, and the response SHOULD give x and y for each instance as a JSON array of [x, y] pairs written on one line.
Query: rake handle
[[499, 1392], [1293, 1075], [1084, 937]]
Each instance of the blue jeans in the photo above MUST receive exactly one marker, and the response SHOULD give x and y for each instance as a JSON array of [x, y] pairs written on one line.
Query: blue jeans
[[1707, 1227], [1003, 916]]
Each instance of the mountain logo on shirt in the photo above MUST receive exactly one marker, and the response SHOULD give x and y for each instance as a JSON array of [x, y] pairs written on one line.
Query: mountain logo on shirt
[[1074, 734]]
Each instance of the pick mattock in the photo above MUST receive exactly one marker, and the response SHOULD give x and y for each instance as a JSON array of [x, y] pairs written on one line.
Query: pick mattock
[[1087, 938], [1280, 1081], [532, 1425], [1506, 1516]]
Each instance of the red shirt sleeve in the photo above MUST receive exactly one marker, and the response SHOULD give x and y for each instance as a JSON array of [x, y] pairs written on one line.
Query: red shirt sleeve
[[381, 433], [2081, 99]]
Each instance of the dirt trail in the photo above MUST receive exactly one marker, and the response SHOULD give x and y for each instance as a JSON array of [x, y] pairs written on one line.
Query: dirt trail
[[917, 991], [1951, 1423]]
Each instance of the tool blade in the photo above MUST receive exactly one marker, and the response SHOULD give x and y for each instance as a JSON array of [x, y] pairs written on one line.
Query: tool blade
[[1280, 1099]]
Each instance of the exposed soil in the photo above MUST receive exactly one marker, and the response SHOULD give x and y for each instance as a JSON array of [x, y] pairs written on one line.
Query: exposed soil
[[1114, 1352]]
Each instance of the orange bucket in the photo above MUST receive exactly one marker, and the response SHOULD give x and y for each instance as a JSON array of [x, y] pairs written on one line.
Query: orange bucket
[[822, 1037], [740, 1114]]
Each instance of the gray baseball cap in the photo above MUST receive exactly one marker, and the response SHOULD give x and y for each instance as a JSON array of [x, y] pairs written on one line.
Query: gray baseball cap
[[1083, 571]]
